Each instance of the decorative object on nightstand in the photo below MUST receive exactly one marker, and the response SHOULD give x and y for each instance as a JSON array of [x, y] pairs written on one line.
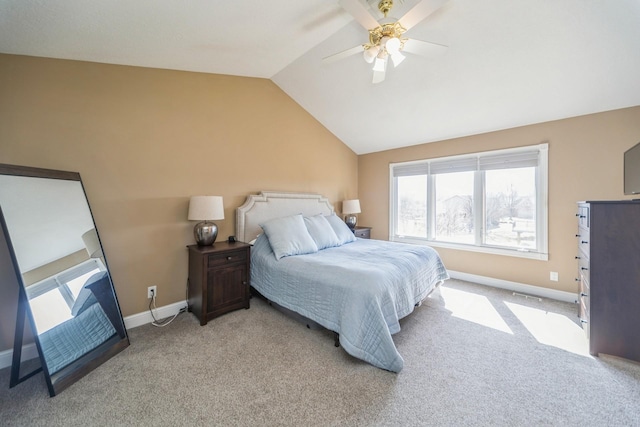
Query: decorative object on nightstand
[[218, 279], [349, 208], [205, 209], [362, 232]]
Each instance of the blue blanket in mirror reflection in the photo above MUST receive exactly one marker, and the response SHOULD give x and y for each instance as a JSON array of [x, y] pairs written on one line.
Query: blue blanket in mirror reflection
[[96, 319]]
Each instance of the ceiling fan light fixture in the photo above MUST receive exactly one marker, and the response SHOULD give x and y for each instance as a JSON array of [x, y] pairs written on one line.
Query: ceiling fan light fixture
[[380, 64], [393, 45], [386, 34], [371, 53], [397, 58]]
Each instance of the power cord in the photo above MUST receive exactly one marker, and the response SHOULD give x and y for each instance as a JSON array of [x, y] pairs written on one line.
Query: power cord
[[164, 322]]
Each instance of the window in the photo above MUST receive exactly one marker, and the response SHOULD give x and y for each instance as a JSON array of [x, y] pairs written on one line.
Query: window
[[493, 202], [51, 299]]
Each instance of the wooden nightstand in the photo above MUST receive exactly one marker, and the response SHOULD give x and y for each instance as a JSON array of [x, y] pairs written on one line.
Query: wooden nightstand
[[218, 279], [362, 232]]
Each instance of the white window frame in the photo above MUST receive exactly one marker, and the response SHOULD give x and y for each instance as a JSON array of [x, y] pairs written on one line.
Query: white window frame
[[542, 199], [59, 280]]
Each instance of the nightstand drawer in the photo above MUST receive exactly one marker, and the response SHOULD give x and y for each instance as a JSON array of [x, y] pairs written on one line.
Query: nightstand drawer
[[216, 260], [362, 232]]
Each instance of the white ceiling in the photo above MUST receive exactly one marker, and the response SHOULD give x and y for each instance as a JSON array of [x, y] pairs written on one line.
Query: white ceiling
[[509, 62]]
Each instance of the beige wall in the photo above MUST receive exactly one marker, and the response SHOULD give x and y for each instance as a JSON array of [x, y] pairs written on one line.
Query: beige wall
[[144, 140], [585, 163]]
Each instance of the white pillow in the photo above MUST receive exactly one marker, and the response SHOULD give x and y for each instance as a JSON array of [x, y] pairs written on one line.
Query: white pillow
[[321, 231], [342, 230], [289, 236]]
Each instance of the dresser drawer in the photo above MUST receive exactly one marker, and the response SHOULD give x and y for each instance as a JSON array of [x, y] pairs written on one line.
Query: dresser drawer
[[583, 270], [584, 316], [584, 308], [584, 247], [583, 216], [218, 259], [584, 303]]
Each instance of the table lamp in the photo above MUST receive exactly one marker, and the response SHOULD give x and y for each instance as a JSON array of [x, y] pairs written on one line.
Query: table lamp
[[349, 208], [205, 209]]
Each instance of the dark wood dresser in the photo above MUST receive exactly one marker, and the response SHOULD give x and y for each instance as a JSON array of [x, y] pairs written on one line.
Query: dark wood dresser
[[609, 275], [218, 279]]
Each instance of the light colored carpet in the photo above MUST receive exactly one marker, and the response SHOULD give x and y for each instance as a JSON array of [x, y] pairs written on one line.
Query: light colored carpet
[[473, 356]]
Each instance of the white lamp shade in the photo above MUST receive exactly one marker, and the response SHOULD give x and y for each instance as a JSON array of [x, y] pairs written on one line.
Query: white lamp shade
[[351, 206], [204, 208], [397, 58], [92, 244], [379, 65], [393, 45], [371, 53]]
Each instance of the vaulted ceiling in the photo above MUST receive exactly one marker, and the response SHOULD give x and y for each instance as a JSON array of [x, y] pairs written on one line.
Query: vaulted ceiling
[[509, 62]]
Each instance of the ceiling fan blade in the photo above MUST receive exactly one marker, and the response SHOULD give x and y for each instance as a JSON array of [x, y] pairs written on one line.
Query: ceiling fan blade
[[428, 49], [360, 13], [344, 54], [420, 12]]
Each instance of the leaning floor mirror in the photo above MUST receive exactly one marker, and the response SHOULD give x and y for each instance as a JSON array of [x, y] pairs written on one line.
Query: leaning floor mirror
[[66, 294]]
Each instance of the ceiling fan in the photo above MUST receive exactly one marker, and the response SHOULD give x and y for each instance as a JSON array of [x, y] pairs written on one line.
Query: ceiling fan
[[385, 36]]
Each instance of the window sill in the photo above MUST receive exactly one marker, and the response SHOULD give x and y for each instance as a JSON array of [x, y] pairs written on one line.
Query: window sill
[[518, 253]]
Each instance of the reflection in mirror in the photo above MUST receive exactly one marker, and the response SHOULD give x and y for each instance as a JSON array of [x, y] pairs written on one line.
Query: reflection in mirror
[[66, 289]]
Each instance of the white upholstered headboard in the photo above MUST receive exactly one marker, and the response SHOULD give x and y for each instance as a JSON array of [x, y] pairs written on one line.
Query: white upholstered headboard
[[267, 205]]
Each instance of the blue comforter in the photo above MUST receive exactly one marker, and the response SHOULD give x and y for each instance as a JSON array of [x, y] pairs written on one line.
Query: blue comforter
[[360, 290], [76, 337]]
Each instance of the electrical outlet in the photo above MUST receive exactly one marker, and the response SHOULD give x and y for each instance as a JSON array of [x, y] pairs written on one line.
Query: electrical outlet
[[152, 291], [553, 276]]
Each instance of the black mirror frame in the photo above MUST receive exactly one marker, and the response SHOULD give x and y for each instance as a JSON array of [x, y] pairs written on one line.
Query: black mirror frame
[[68, 375]]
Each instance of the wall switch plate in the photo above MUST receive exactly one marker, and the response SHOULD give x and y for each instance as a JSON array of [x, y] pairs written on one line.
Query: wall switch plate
[[553, 276], [151, 292]]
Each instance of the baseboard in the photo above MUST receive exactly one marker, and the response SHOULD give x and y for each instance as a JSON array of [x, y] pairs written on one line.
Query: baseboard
[[145, 317], [30, 351], [516, 287]]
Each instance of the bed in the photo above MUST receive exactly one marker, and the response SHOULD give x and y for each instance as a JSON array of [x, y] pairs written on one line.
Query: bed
[[358, 288]]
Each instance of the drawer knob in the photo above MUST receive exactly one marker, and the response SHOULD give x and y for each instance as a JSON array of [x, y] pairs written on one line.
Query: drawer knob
[[582, 294], [229, 258], [577, 235], [578, 257], [583, 321], [577, 279], [584, 241], [584, 268]]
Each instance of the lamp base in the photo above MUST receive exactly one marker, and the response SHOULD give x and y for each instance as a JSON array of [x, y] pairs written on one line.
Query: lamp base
[[350, 220], [205, 233]]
